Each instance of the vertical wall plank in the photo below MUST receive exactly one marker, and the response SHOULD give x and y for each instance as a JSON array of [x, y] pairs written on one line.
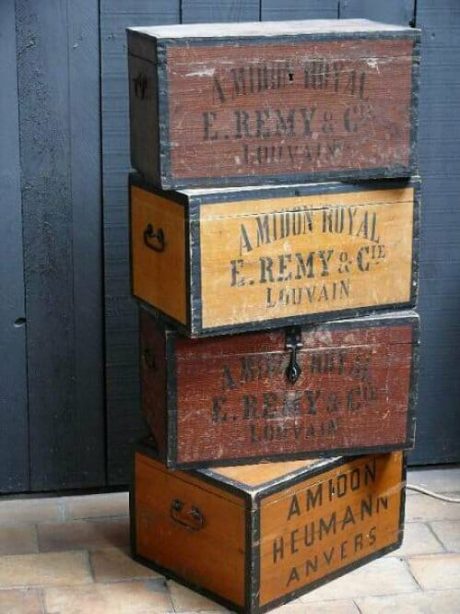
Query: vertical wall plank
[[438, 427], [124, 421], [14, 448], [206, 11], [298, 9], [58, 81], [390, 11]]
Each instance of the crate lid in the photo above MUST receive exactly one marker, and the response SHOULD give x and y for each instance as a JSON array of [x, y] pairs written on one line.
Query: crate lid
[[270, 28]]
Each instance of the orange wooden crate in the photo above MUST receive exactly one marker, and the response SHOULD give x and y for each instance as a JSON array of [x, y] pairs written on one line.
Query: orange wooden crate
[[237, 259], [256, 536]]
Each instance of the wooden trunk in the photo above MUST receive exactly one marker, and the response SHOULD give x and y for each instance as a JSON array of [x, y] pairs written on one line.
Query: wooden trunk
[[257, 103], [237, 259], [343, 387], [253, 537]]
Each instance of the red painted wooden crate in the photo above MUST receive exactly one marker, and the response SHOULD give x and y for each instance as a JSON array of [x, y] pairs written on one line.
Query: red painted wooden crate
[[234, 104], [340, 387]]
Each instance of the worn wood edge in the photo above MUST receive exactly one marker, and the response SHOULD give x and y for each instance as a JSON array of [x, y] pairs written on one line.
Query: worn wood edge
[[387, 32], [413, 387], [251, 571], [313, 320], [227, 485], [167, 183], [369, 320], [171, 401], [209, 463], [203, 195], [414, 101]]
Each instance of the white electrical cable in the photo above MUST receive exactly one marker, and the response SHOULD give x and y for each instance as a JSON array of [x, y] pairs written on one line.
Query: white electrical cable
[[430, 493]]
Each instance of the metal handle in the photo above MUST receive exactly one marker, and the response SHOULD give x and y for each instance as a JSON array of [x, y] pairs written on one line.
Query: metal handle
[[192, 518], [154, 239], [293, 343]]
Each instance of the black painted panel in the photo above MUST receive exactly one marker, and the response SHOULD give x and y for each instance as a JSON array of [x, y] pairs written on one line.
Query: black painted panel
[[277, 10], [124, 420], [438, 427], [14, 452], [388, 11], [58, 84], [210, 11]]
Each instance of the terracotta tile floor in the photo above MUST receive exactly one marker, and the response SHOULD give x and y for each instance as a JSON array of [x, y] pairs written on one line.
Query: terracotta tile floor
[[69, 555]]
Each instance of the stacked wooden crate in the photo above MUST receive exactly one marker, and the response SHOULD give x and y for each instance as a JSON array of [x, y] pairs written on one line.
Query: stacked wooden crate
[[278, 363]]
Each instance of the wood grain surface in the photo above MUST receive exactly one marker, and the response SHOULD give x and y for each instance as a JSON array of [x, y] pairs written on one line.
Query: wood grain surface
[[275, 258], [323, 524], [234, 399], [228, 398], [212, 556], [287, 109], [256, 476], [159, 272]]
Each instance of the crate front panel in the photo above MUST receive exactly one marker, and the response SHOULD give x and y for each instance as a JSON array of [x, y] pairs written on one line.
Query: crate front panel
[[354, 393], [189, 527], [281, 258], [324, 524], [248, 109]]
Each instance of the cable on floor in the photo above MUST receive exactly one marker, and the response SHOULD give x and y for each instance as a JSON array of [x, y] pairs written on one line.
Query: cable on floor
[[430, 493]]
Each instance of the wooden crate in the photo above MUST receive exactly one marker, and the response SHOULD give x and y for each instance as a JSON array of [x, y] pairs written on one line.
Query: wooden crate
[[238, 259], [253, 537], [344, 387], [259, 103]]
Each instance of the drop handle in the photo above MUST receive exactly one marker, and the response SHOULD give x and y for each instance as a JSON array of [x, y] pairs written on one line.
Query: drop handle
[[190, 517], [293, 344], [154, 239]]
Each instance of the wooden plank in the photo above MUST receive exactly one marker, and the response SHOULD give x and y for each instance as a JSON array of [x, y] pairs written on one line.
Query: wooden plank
[[58, 83], [438, 426], [14, 449], [124, 420], [273, 10], [207, 11], [390, 11]]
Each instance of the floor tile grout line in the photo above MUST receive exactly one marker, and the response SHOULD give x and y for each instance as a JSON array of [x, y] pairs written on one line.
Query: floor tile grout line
[[438, 539], [408, 567], [91, 567], [42, 599]]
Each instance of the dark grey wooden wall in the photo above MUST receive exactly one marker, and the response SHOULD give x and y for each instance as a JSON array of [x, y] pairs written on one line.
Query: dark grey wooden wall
[[69, 386], [53, 421]]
